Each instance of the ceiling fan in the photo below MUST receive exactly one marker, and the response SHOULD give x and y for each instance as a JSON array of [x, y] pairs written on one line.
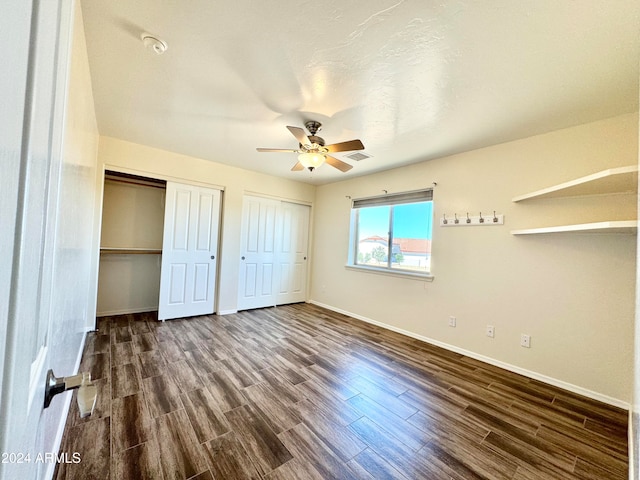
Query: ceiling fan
[[313, 152]]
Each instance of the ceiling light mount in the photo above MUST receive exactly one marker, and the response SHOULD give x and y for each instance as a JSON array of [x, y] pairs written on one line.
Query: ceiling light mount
[[153, 43], [313, 126]]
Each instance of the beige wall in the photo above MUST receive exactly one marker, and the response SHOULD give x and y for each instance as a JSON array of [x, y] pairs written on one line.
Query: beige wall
[[129, 157], [73, 302], [634, 414], [573, 293], [72, 310]]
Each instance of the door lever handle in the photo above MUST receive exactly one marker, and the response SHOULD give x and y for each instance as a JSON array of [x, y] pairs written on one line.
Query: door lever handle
[[87, 391]]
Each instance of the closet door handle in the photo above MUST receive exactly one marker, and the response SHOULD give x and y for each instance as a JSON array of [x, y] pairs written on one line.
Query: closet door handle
[[242, 258], [213, 257]]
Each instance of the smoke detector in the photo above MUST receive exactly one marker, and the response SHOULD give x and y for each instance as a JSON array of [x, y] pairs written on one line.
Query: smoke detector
[[155, 44]]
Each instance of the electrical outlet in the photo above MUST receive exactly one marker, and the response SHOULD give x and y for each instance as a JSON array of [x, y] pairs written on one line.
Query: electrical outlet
[[452, 321], [491, 331], [525, 340]]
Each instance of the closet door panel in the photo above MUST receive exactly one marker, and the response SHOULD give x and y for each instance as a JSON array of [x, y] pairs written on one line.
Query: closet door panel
[[292, 254], [258, 253], [273, 264], [187, 279], [178, 281], [180, 225], [203, 224]]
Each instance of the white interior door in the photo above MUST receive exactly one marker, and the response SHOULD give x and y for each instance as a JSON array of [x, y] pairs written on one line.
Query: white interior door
[[292, 253], [31, 128], [258, 253], [273, 250], [189, 250]]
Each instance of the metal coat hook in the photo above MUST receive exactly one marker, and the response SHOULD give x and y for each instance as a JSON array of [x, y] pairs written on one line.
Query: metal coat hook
[[385, 191], [471, 220], [435, 184], [348, 196]]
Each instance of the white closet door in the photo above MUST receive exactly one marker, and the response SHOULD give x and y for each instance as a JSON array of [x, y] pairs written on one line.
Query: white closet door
[[273, 262], [292, 253], [189, 249], [38, 247], [257, 286]]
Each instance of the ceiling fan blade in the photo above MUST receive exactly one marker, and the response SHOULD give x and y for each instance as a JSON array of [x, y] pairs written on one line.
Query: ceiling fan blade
[[300, 136], [297, 167], [345, 146], [275, 150], [339, 164]]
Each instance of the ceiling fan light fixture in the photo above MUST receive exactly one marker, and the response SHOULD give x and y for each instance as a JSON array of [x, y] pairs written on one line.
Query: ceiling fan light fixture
[[311, 160]]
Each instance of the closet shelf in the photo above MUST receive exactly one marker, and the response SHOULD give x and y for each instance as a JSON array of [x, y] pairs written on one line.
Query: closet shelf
[[129, 251], [613, 180], [621, 226]]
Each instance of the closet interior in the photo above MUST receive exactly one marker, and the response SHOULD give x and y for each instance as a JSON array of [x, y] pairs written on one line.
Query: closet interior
[[130, 244]]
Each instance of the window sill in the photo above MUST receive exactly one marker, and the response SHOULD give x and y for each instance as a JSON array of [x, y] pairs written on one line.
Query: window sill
[[425, 277]]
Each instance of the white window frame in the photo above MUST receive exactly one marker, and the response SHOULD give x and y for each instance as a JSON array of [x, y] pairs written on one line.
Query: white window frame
[[416, 196]]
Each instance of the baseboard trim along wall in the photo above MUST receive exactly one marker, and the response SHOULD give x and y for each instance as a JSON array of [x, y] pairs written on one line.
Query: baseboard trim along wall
[[227, 312], [110, 313], [512, 368]]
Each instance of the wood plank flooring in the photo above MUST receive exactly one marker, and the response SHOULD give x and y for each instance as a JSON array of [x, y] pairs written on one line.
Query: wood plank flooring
[[300, 392]]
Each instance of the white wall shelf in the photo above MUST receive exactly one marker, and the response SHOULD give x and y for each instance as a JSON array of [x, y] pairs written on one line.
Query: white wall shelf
[[624, 226], [607, 182], [129, 251], [613, 180]]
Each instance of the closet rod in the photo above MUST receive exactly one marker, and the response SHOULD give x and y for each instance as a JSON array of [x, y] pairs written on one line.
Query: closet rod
[[133, 181]]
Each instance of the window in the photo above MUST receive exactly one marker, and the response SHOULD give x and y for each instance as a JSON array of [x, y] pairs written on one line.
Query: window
[[393, 232]]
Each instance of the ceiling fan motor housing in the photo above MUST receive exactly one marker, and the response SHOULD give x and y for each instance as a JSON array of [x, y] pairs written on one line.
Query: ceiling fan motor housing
[[312, 126], [315, 139]]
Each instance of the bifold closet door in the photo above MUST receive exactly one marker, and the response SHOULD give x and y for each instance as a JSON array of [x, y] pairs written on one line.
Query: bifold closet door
[[273, 253], [291, 252], [258, 253], [189, 249]]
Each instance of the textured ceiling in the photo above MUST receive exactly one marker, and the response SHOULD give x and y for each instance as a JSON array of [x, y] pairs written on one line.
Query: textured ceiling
[[413, 79]]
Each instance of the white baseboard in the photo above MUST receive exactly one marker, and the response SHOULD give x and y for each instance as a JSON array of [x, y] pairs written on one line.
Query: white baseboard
[[110, 313], [512, 368], [227, 312], [51, 468]]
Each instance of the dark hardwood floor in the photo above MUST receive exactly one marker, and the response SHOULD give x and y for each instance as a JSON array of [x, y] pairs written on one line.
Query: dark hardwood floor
[[299, 392]]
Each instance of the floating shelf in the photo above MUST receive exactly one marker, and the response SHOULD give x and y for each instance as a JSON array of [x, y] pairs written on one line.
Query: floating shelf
[[130, 251], [624, 226], [613, 180]]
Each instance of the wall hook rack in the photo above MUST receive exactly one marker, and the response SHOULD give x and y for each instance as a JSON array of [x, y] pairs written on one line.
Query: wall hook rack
[[471, 220]]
